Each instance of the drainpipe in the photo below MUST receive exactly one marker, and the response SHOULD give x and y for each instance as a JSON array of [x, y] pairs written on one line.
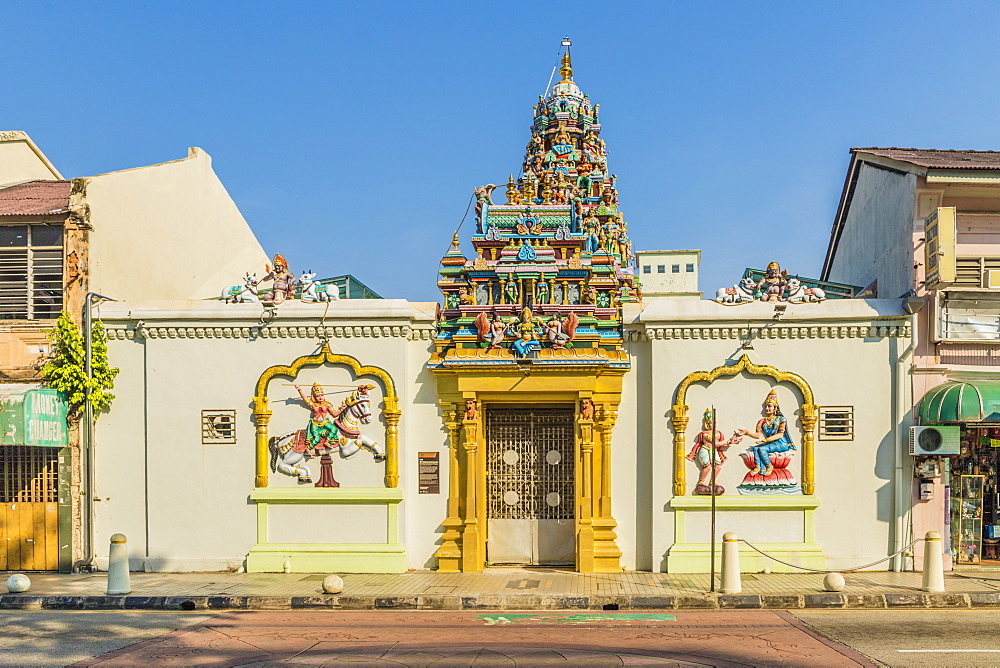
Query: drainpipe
[[902, 486], [88, 436]]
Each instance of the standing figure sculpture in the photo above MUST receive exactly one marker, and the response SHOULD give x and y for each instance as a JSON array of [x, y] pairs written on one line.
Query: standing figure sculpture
[[709, 452], [284, 280], [510, 291], [772, 430]]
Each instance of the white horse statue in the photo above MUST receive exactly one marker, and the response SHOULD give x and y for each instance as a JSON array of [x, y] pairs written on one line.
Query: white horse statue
[[293, 451], [738, 294], [798, 293], [317, 292], [241, 293]]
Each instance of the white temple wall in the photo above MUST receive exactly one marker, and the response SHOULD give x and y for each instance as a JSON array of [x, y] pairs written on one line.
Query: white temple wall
[[843, 361], [184, 505]]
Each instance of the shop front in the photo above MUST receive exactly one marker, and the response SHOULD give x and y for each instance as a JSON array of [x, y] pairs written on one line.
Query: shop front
[[972, 512], [35, 469]]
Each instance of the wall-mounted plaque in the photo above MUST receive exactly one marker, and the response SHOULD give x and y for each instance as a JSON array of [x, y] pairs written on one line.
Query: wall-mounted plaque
[[429, 472]]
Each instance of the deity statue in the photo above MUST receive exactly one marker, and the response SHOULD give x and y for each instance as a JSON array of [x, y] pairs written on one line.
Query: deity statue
[[583, 170], [494, 331], [772, 286], [527, 330], [709, 452], [510, 291], [586, 409], [590, 295], [560, 332], [542, 293], [773, 435], [282, 287], [590, 229], [321, 429], [484, 196], [562, 136], [471, 409]]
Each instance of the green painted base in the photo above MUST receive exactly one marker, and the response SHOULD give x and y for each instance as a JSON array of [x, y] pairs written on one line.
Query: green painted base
[[327, 558], [696, 558]]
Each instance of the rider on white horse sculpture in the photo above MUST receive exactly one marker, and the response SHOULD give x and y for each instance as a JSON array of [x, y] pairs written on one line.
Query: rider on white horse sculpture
[[329, 428]]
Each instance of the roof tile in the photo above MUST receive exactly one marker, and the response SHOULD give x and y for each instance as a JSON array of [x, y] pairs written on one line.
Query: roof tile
[[939, 159], [35, 198]]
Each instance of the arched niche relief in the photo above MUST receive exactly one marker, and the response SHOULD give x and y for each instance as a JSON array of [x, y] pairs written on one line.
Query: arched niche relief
[[808, 417], [391, 412]]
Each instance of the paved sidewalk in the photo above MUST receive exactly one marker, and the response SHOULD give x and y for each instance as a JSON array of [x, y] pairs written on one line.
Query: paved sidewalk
[[499, 589]]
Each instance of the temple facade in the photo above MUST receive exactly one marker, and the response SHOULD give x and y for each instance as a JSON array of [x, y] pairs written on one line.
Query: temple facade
[[543, 412]]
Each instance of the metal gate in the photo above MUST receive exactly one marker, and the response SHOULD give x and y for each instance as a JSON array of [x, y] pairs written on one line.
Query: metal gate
[[29, 511], [530, 485]]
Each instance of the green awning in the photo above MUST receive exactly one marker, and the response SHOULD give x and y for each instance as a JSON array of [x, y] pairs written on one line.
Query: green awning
[[962, 401], [30, 415]]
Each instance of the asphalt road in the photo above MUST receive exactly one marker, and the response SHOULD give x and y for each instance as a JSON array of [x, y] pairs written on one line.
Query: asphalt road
[[530, 638], [914, 637]]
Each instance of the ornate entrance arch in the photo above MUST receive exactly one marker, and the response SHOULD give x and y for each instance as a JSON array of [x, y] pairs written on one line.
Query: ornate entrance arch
[[808, 417]]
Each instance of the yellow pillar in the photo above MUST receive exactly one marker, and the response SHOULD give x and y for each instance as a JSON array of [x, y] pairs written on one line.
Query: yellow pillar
[[680, 422], [808, 449], [449, 554], [584, 478], [607, 556], [261, 416], [472, 557]]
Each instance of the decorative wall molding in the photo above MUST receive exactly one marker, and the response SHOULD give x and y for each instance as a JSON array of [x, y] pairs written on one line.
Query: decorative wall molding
[[770, 332], [271, 332]]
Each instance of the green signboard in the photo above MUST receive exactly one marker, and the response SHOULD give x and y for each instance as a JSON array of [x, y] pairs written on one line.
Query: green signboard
[[34, 417]]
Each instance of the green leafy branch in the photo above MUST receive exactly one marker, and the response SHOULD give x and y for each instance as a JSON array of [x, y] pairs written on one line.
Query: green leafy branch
[[67, 370]]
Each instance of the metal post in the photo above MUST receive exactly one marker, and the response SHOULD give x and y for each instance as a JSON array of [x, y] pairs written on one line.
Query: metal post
[[88, 433], [712, 453]]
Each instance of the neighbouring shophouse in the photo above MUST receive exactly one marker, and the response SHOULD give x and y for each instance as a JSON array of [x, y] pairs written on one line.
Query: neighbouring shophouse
[[669, 273], [167, 230], [924, 225], [540, 414]]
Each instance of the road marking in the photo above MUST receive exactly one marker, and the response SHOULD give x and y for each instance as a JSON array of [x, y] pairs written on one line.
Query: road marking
[[948, 650]]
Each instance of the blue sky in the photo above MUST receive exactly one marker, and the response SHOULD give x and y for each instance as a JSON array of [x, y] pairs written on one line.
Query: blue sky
[[351, 134]]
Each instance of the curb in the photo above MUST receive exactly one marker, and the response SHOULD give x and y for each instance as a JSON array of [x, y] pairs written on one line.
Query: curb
[[493, 602]]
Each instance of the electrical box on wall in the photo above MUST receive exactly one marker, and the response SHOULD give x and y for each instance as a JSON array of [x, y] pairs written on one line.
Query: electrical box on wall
[[935, 440], [928, 468], [926, 489]]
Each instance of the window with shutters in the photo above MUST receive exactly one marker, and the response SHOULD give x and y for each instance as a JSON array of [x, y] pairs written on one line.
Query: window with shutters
[[31, 271]]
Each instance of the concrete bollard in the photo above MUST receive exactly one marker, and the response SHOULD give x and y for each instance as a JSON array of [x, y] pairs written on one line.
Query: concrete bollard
[[933, 563], [118, 582], [731, 564]]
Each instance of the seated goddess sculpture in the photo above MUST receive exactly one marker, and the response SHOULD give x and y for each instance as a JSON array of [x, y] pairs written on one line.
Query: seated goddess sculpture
[[772, 430]]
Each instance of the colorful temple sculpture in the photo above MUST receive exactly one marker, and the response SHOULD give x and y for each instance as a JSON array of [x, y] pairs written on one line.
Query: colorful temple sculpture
[[535, 319]]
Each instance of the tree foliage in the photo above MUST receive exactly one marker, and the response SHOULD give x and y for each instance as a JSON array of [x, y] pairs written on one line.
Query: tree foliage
[[66, 371]]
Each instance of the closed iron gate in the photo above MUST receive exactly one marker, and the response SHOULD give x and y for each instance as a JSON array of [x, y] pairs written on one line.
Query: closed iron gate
[[29, 510], [530, 485]]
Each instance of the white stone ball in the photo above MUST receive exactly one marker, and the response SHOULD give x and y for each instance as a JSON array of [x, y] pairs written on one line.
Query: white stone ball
[[833, 582], [333, 584], [19, 583]]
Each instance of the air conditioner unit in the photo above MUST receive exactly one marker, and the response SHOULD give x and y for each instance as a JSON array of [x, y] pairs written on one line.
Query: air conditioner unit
[[935, 441], [991, 278]]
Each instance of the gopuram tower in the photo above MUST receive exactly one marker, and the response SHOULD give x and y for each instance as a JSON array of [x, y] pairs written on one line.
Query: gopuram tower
[[528, 355]]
